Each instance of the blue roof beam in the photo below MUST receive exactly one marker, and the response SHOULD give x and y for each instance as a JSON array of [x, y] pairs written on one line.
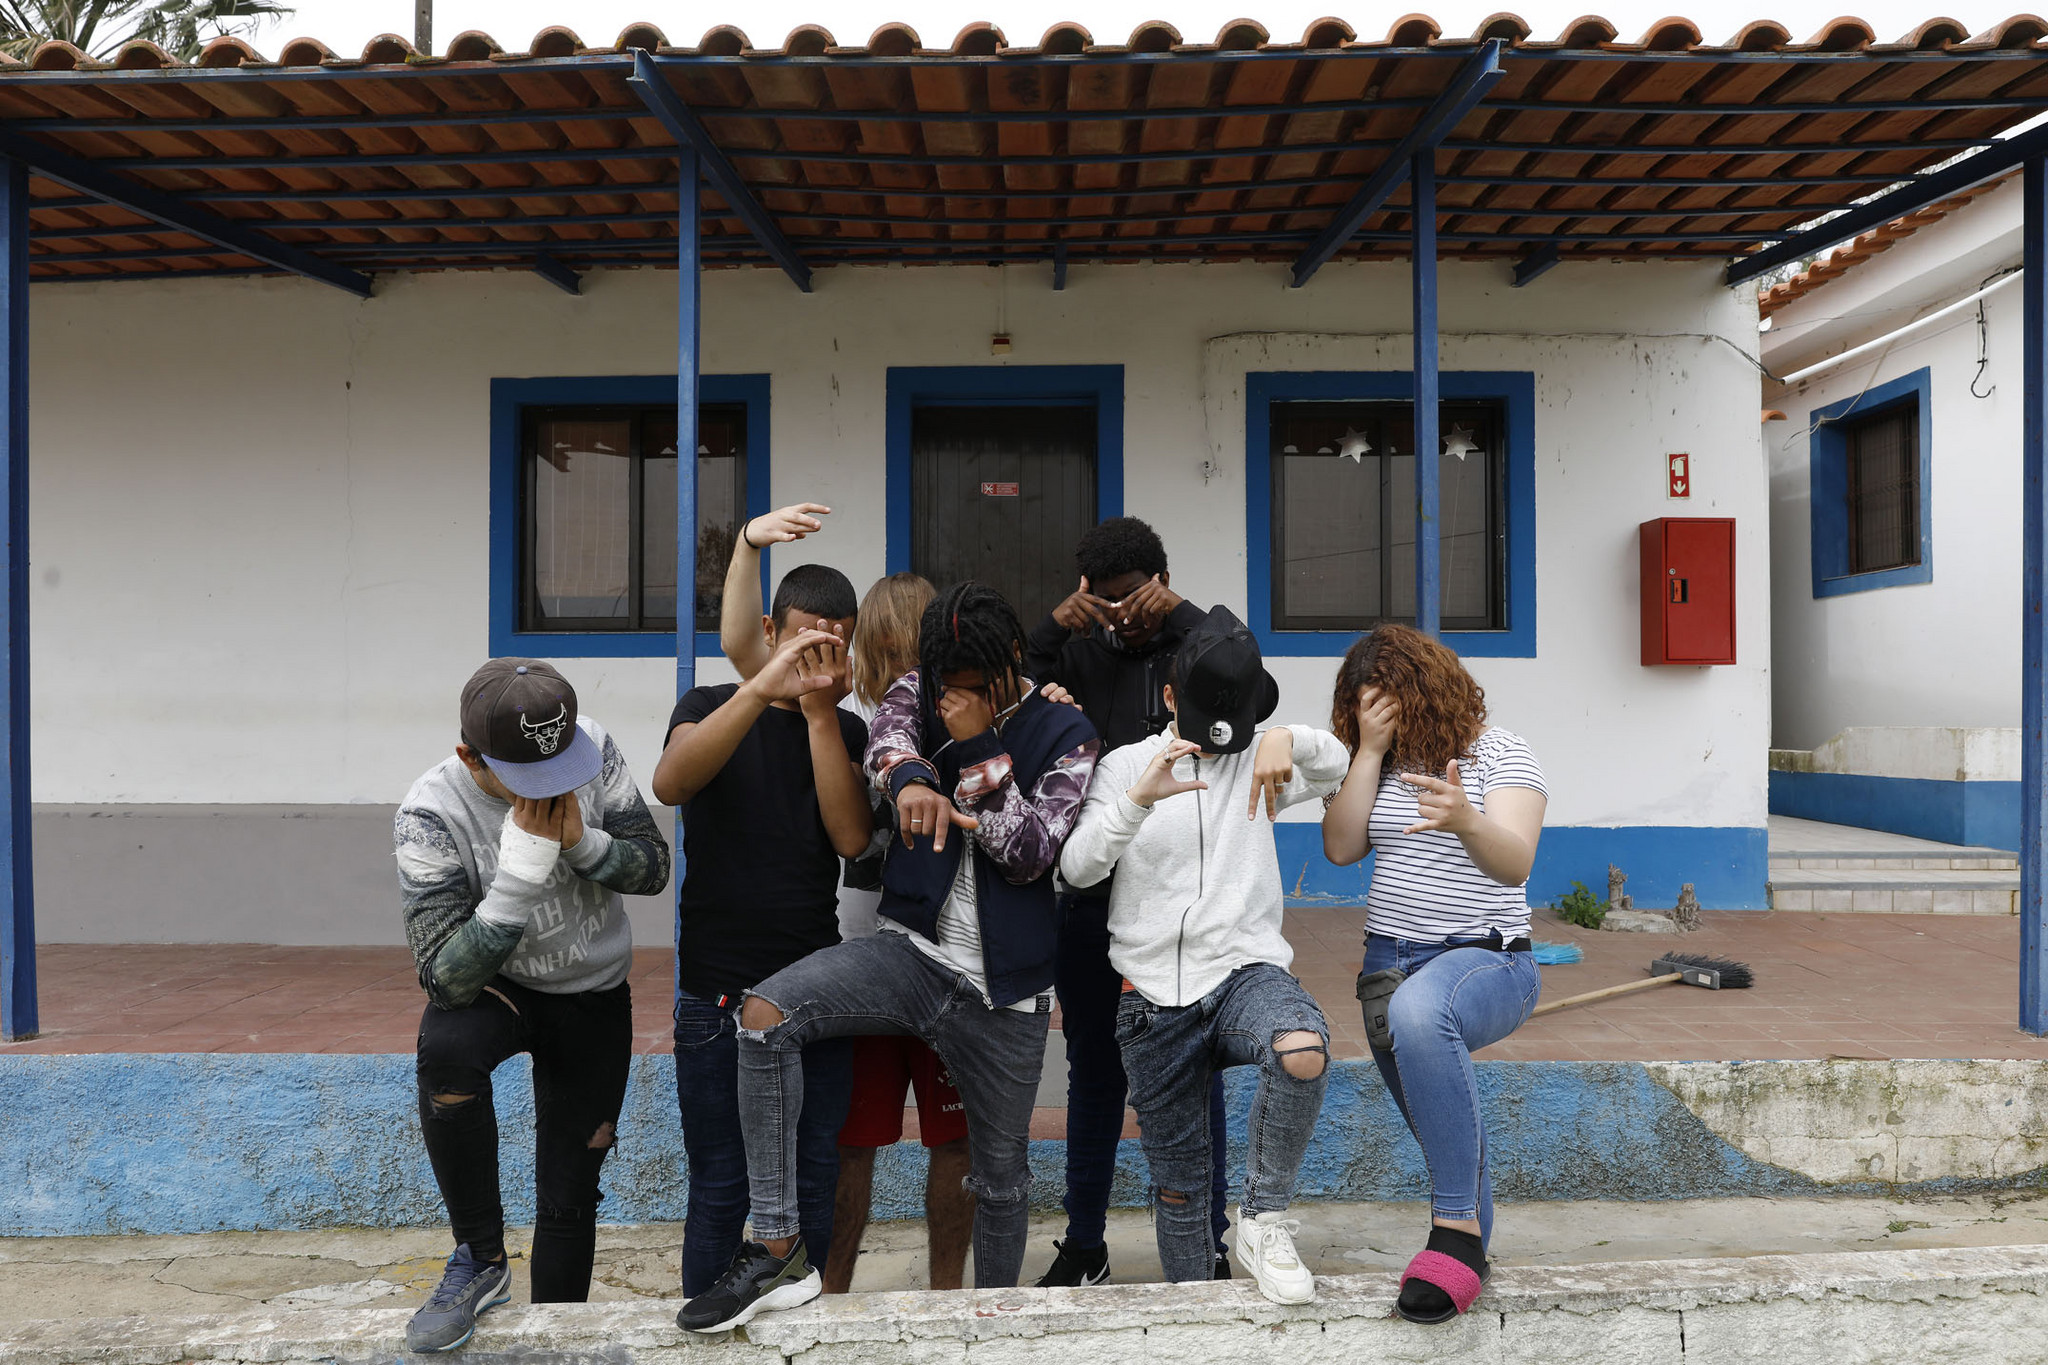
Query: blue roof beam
[[83, 176], [1534, 264], [683, 125], [1478, 75], [1971, 171], [551, 269]]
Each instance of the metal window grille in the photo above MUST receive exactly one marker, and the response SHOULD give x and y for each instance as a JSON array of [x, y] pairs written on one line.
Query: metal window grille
[[598, 548], [1883, 481], [1343, 535]]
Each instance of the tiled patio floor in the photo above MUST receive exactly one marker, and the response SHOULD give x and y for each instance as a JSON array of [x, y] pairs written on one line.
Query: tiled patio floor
[[1828, 986]]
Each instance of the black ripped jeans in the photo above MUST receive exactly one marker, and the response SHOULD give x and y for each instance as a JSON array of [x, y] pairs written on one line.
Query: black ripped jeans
[[582, 1045]]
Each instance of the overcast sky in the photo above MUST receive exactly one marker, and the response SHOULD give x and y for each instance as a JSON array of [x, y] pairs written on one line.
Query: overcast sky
[[345, 25]]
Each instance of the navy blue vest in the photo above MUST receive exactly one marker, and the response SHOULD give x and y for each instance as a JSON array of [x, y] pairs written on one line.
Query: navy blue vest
[[1019, 926]]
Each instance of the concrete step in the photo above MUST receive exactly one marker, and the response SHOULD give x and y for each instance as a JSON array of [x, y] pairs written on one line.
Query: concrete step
[[1810, 845], [1970, 860], [1896, 889]]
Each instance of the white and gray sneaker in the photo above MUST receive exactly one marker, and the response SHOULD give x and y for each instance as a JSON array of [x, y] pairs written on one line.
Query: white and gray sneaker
[[1265, 1246], [468, 1287]]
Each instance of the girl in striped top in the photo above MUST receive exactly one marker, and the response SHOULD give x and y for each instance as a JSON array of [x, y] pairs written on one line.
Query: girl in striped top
[[1453, 807]]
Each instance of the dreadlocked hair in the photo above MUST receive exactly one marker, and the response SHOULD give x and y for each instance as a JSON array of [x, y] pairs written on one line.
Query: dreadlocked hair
[[970, 627]]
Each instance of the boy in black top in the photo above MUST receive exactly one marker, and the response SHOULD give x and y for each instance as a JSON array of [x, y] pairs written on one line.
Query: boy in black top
[[1111, 645], [767, 775]]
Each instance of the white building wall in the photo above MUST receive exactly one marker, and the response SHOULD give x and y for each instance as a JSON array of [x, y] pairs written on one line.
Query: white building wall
[[261, 528], [1944, 653]]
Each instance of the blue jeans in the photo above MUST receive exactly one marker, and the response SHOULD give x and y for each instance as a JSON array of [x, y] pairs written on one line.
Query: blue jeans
[[1458, 997], [707, 1095], [1173, 1054], [1089, 988], [885, 984]]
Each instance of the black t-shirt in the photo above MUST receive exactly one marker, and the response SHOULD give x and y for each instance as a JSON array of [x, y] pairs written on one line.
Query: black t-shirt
[[760, 878]]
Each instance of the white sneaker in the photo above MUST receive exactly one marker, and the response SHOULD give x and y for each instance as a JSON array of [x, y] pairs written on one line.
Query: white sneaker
[[1265, 1246]]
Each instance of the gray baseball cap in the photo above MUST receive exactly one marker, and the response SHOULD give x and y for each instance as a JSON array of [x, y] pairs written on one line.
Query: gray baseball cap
[[520, 714]]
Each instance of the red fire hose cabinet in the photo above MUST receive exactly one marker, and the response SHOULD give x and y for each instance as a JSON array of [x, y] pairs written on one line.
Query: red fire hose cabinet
[[1688, 590]]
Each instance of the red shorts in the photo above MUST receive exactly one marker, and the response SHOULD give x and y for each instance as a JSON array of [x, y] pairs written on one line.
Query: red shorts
[[885, 1068]]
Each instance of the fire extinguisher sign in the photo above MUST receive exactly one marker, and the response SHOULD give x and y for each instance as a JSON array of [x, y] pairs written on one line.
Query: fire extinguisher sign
[[1678, 476]]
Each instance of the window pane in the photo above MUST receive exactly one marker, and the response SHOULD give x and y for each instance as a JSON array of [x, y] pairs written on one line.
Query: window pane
[[1330, 494], [582, 478], [1344, 534], [721, 506], [1884, 492]]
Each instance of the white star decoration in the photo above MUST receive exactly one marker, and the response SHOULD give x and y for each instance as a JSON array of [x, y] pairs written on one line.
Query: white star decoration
[[1460, 444], [1354, 444]]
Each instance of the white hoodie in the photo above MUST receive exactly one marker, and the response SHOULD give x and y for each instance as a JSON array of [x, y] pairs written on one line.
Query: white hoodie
[[1197, 891]]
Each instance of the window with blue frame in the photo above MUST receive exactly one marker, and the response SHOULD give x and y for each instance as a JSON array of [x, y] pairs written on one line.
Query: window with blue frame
[[584, 509], [1869, 466], [1331, 509]]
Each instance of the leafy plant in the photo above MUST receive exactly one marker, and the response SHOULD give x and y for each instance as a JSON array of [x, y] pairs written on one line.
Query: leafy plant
[[100, 27], [1577, 906]]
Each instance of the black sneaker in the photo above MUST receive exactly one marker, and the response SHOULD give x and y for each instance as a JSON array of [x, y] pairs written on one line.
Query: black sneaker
[[468, 1287], [1076, 1267], [1222, 1270], [757, 1280]]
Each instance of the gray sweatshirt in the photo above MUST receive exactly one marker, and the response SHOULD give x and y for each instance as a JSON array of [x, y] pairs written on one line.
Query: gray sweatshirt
[[546, 918], [1197, 891]]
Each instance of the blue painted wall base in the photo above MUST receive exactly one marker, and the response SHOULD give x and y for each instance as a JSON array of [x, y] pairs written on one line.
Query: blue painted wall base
[[95, 1145], [1727, 866], [1981, 814]]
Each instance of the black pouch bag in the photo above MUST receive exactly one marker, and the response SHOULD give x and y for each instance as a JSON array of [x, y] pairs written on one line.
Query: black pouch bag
[[1375, 991]]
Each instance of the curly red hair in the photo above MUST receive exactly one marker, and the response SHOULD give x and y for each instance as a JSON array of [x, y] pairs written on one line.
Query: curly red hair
[[1443, 710]]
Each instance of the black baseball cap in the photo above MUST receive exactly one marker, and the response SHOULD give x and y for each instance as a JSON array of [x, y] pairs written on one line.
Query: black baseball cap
[[1221, 688], [520, 714]]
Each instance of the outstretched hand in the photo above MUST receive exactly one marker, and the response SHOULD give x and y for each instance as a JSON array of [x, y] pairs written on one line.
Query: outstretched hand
[[1157, 782], [1441, 802], [797, 667], [1149, 605], [785, 524], [826, 660], [922, 812]]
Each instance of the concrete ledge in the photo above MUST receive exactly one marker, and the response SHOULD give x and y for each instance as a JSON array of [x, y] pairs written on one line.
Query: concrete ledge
[[1981, 1305]]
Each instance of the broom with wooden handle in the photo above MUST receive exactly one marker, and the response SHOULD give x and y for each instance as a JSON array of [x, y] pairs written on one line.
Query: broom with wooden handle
[[1691, 969]]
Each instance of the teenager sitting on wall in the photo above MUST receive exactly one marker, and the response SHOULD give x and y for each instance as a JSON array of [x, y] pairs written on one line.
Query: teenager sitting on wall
[[885, 1069], [1194, 924], [1453, 807], [766, 776], [1110, 644], [512, 856], [964, 747]]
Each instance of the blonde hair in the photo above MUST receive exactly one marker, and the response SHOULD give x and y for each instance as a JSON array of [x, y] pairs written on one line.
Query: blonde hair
[[885, 633]]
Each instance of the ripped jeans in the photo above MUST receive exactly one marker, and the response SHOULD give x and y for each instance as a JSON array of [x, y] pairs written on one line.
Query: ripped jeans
[[582, 1045], [1171, 1052], [885, 985]]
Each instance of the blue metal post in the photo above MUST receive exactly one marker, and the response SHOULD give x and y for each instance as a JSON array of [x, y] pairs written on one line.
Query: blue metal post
[[2033, 635], [689, 295], [1422, 265], [17, 877]]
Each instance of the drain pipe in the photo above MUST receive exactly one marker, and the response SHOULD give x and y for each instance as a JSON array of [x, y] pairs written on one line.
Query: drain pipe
[[1889, 337]]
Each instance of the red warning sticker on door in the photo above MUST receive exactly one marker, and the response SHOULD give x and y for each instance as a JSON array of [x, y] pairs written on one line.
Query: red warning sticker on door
[[999, 490]]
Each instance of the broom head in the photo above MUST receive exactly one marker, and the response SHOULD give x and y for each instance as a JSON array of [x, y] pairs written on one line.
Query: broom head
[[1715, 973]]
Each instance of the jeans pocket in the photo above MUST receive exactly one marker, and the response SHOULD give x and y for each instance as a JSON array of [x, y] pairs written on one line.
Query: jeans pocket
[[699, 1023], [1133, 1017]]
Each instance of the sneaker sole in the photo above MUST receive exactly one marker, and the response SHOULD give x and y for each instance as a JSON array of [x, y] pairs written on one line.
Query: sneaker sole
[[788, 1296]]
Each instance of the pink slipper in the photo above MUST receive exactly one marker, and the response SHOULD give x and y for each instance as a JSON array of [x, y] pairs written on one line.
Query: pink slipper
[[1457, 1280]]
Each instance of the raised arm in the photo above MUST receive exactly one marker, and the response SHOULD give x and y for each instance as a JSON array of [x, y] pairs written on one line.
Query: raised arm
[[739, 606], [1347, 822], [625, 851], [697, 750]]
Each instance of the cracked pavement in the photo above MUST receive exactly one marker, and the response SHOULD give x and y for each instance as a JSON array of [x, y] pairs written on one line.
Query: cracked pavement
[[81, 1277]]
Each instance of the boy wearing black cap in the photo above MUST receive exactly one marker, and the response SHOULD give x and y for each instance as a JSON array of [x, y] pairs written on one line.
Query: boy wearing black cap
[[512, 856], [1194, 922]]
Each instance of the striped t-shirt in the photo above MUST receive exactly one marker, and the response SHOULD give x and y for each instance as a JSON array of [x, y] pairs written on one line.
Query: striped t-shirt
[[1424, 886]]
